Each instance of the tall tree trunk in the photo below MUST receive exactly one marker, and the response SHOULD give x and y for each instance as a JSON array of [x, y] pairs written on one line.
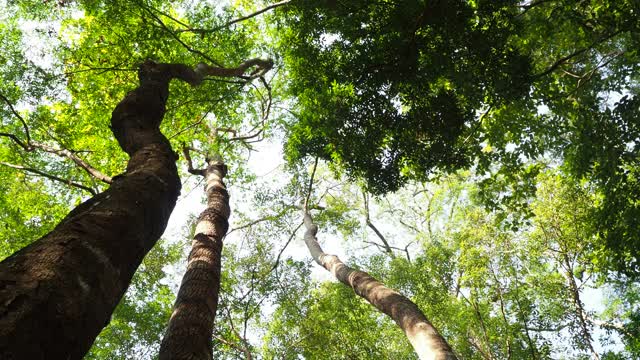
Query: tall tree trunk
[[423, 336], [59, 292], [189, 334]]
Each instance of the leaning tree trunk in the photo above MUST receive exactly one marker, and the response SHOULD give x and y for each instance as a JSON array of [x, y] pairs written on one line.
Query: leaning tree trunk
[[59, 292], [423, 336], [189, 333]]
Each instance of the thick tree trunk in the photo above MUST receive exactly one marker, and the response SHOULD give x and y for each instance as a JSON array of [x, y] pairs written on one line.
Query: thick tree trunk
[[423, 336], [190, 329], [59, 292]]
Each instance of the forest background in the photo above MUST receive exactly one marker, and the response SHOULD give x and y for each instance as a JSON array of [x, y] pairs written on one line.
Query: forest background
[[480, 157]]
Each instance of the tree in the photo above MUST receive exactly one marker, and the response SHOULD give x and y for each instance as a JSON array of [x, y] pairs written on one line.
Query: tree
[[424, 338], [390, 94], [101, 242], [422, 335], [114, 229], [190, 328], [393, 92]]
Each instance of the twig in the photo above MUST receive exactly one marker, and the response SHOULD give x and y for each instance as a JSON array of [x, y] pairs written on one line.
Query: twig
[[564, 59], [235, 21], [310, 187], [176, 37], [187, 156], [76, 159], [24, 123], [257, 221], [386, 246], [293, 234], [50, 177]]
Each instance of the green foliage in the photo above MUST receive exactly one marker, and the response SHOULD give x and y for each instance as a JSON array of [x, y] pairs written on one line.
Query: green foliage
[[389, 90], [332, 323]]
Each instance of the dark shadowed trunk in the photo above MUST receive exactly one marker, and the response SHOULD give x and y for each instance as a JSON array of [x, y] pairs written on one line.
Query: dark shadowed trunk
[[425, 339], [190, 329], [58, 293]]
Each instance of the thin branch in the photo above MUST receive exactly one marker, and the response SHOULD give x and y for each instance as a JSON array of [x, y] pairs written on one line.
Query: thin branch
[[310, 187], [170, 17], [476, 125], [187, 156], [50, 177], [386, 247], [406, 250], [24, 123], [29, 146], [531, 5], [209, 109], [102, 69], [291, 237], [235, 21], [16, 140], [257, 221], [266, 111], [175, 36], [564, 59], [76, 159]]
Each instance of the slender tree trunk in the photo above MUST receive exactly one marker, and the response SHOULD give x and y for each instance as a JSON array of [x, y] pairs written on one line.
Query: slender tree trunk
[[423, 336], [59, 292], [578, 306], [190, 330]]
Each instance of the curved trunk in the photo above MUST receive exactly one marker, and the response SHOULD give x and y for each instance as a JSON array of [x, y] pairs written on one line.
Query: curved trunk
[[189, 333], [59, 292], [423, 336]]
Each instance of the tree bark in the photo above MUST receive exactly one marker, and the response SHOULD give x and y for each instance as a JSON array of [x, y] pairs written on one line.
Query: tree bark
[[59, 292], [190, 329], [423, 336]]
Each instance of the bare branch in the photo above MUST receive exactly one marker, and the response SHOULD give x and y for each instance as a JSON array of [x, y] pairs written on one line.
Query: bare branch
[[310, 187], [24, 123], [187, 156], [175, 36], [262, 219], [262, 66], [386, 246], [76, 159], [291, 237], [50, 177], [235, 21], [16, 140], [578, 52]]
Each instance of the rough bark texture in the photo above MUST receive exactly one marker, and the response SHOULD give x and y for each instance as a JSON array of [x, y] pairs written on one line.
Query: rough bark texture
[[189, 334], [423, 336], [58, 293]]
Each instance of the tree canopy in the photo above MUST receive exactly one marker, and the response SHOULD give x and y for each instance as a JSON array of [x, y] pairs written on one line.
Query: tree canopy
[[479, 157]]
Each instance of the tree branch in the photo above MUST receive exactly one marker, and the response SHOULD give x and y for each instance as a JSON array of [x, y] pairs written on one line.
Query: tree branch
[[16, 140], [262, 66], [291, 237], [24, 123], [50, 177], [175, 36], [76, 159], [310, 187], [187, 156], [235, 21], [564, 59], [386, 246]]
